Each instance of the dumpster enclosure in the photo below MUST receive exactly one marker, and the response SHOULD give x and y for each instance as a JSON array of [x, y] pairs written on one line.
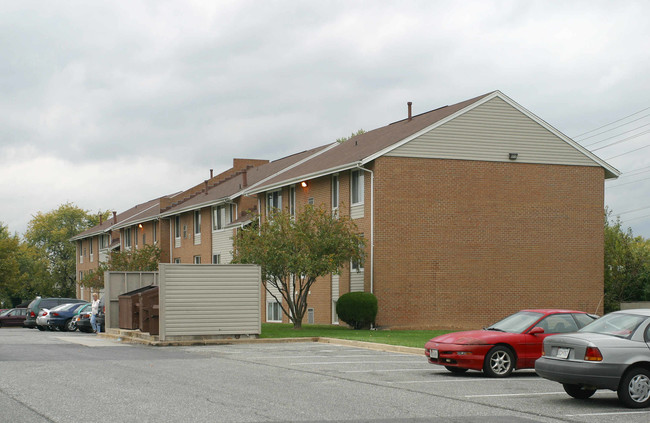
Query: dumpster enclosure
[[192, 301]]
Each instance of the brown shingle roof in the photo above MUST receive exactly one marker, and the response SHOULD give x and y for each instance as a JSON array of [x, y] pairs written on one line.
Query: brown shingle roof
[[365, 145]]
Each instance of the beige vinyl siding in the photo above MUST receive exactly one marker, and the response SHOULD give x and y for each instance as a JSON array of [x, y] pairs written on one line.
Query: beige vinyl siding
[[209, 300], [356, 211], [489, 132], [222, 244], [356, 281]]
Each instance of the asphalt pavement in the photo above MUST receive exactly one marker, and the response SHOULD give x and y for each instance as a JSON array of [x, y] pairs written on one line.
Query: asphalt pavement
[[76, 377]]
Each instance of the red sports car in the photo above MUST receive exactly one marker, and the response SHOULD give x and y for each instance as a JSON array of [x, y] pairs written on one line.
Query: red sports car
[[513, 343]]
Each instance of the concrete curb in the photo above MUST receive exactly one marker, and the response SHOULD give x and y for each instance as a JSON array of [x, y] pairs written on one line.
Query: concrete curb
[[125, 337]]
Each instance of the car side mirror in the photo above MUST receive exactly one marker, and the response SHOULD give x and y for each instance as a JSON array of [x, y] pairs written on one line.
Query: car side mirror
[[536, 330]]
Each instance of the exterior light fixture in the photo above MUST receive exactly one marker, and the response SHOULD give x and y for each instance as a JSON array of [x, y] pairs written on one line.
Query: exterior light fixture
[[140, 225], [304, 184], [513, 156]]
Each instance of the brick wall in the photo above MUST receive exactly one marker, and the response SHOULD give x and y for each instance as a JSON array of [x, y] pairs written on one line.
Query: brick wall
[[460, 244]]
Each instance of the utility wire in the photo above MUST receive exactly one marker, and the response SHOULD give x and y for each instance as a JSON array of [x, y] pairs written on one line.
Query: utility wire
[[623, 140], [627, 183], [628, 152], [620, 126], [601, 127], [635, 210], [617, 135]]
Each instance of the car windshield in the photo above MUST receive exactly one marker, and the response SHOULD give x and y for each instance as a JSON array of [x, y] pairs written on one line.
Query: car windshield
[[615, 324], [60, 307], [4, 313], [517, 322]]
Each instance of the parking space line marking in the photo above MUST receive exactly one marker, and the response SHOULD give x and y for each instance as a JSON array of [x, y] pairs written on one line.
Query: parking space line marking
[[391, 370], [614, 413], [454, 380], [345, 362], [515, 395]]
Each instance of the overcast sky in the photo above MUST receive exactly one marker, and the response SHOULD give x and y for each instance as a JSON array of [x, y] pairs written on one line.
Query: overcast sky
[[110, 104]]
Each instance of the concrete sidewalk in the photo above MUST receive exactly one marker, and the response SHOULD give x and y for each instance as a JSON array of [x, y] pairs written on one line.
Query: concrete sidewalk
[[137, 337]]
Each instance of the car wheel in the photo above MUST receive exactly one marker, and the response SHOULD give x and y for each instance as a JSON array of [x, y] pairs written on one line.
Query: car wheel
[[40, 327], [634, 390], [577, 391], [70, 326], [499, 362], [457, 370]]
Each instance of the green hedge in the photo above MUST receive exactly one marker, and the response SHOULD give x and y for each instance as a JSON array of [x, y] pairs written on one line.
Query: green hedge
[[357, 309]]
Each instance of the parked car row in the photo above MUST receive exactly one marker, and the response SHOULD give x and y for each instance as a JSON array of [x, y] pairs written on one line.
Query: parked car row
[[582, 352], [65, 314], [13, 317]]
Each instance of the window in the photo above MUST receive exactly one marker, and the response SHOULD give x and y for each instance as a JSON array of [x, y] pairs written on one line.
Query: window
[[292, 200], [185, 231], [154, 232], [127, 237], [177, 226], [216, 259], [273, 312], [197, 221], [218, 217], [273, 200], [144, 238], [135, 231], [103, 242], [197, 259], [357, 265], [357, 186], [558, 323], [335, 192], [335, 317], [177, 260], [81, 275], [91, 246], [232, 213]]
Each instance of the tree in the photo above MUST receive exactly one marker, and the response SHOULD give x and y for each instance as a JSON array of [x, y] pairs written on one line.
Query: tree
[[352, 135], [294, 252], [627, 265], [10, 274], [50, 233], [142, 259]]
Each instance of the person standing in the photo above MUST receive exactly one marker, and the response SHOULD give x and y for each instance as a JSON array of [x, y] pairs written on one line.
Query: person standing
[[94, 312]]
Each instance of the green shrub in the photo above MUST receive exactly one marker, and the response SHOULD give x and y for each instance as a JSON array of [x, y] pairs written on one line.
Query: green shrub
[[357, 309]]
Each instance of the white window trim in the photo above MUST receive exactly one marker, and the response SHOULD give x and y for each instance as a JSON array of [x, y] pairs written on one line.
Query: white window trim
[[361, 187], [279, 310], [268, 202], [336, 189]]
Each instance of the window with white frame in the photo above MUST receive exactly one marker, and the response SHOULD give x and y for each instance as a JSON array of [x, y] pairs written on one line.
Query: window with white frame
[[273, 311], [335, 192], [273, 201], [232, 213], [91, 246], [177, 260], [292, 200], [127, 237], [177, 227], [154, 232], [221, 216], [135, 231], [197, 222], [216, 259], [356, 187], [357, 265], [197, 259]]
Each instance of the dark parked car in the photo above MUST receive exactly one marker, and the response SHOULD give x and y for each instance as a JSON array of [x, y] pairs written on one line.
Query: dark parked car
[[610, 353], [13, 317], [61, 317], [83, 318], [49, 303]]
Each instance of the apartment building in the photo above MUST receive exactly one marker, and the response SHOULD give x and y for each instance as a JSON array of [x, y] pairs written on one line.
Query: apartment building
[[471, 211]]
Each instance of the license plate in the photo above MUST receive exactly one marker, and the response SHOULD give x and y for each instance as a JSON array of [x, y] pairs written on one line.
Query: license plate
[[563, 352], [433, 353]]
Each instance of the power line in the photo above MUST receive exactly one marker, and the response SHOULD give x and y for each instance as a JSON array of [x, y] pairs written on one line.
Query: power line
[[620, 126], [637, 218], [601, 127], [628, 152], [635, 210], [623, 140], [617, 135], [628, 183]]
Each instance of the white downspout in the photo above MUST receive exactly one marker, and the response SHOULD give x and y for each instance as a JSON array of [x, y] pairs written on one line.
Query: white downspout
[[171, 240], [372, 228]]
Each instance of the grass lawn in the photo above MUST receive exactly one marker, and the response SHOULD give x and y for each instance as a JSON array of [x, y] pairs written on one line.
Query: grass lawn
[[407, 338]]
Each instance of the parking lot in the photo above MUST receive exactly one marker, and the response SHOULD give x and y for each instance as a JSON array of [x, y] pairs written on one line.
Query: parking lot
[[57, 377]]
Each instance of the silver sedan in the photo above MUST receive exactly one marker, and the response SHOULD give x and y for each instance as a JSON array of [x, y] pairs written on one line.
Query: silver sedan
[[610, 353]]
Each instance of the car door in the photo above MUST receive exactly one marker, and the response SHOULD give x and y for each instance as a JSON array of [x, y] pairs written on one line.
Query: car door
[[552, 324]]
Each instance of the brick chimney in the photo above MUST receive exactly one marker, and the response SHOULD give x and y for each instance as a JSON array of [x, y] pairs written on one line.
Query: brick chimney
[[114, 217], [409, 104]]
